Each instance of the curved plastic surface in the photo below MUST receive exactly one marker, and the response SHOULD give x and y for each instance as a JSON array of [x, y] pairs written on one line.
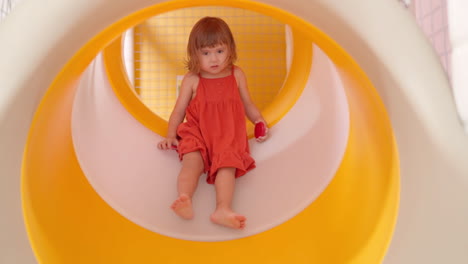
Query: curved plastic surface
[[364, 212], [346, 207], [432, 146], [118, 157]]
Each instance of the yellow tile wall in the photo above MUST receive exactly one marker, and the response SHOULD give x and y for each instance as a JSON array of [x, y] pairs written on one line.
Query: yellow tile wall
[[160, 50]]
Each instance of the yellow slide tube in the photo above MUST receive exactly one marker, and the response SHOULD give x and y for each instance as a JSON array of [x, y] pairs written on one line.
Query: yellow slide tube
[[351, 222]]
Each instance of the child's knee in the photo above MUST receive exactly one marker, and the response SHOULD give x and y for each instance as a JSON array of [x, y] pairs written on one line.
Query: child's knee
[[194, 161], [227, 170]]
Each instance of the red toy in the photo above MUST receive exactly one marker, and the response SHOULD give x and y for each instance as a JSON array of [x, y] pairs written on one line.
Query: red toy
[[260, 129]]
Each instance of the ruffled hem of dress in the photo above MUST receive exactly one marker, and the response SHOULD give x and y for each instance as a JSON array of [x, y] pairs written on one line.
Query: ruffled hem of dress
[[243, 163], [191, 145]]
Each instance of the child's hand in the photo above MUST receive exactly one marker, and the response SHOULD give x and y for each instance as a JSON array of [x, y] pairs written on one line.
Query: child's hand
[[264, 133], [168, 143]]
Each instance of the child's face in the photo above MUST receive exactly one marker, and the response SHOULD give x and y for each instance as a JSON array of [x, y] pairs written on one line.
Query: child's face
[[213, 60]]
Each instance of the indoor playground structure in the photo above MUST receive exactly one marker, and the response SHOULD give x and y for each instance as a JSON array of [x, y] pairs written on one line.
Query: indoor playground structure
[[367, 160]]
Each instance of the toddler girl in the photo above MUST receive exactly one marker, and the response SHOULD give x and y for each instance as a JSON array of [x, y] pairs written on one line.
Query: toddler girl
[[215, 100]]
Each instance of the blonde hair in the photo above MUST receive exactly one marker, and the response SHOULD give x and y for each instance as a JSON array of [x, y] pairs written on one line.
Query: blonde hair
[[209, 32]]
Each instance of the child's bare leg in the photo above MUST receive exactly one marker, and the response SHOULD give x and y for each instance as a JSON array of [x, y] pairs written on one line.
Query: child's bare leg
[[192, 168], [224, 215]]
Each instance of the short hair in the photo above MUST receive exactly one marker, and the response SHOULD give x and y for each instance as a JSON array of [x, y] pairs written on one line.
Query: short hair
[[209, 32]]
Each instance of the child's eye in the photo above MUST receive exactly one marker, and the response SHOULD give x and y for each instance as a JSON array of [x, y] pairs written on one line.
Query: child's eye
[[205, 53], [220, 51]]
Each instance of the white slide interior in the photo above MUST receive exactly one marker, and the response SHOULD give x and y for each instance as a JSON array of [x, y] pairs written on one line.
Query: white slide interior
[[120, 159]]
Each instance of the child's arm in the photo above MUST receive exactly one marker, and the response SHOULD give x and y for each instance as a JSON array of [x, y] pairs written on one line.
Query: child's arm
[[178, 113], [251, 110]]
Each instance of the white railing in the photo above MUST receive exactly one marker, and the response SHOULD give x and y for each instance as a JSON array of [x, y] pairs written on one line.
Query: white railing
[[6, 6]]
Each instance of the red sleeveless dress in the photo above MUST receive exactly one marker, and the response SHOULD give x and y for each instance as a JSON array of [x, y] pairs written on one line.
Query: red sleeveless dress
[[215, 126]]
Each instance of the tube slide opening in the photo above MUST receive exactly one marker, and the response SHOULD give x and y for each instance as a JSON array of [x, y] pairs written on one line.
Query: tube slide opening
[[79, 206]]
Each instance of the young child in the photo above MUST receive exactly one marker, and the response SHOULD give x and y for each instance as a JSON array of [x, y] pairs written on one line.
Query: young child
[[215, 100]]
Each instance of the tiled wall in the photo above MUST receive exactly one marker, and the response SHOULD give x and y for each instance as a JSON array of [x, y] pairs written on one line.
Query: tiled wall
[[160, 45], [431, 16]]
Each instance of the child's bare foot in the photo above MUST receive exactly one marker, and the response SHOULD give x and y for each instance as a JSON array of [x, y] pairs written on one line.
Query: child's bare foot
[[228, 218], [182, 206]]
